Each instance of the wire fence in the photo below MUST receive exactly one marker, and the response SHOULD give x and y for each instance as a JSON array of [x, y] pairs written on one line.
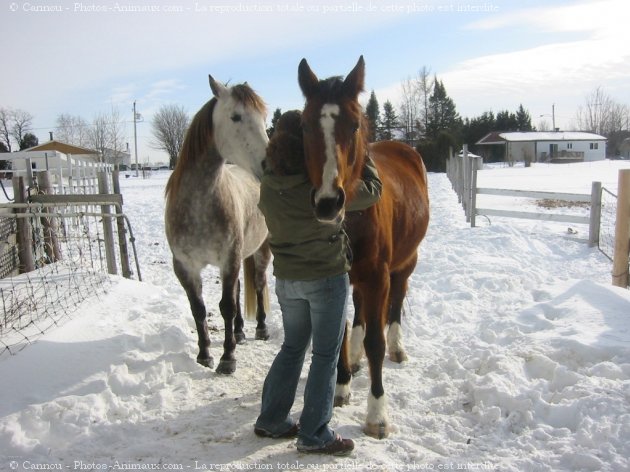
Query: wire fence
[[69, 268], [607, 223]]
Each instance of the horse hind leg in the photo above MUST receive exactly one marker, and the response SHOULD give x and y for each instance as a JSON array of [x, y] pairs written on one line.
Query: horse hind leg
[[344, 373], [356, 349], [259, 261], [239, 324], [191, 282], [398, 290]]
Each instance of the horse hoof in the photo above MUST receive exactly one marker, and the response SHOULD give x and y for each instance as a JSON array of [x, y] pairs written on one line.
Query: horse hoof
[[341, 401], [206, 362], [398, 356], [240, 338], [354, 368], [262, 334], [377, 430], [226, 367]]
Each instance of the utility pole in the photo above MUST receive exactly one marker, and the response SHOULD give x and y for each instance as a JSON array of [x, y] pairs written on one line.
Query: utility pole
[[553, 115]]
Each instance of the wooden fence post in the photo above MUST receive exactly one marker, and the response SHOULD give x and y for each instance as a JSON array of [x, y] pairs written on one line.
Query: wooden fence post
[[622, 231], [49, 224], [24, 230], [120, 226], [108, 230], [596, 214]]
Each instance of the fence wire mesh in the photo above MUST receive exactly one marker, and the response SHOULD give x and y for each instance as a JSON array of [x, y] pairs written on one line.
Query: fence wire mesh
[[64, 276], [607, 223]]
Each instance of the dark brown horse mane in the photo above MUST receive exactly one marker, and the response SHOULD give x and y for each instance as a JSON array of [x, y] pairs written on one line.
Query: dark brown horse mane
[[196, 143]]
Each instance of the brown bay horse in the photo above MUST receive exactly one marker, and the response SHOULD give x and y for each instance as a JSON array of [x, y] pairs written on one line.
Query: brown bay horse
[[384, 238], [212, 215]]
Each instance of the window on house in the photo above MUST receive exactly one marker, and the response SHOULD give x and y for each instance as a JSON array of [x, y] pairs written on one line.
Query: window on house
[[594, 145], [569, 145]]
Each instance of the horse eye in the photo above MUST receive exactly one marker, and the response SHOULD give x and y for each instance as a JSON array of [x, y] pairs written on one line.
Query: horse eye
[[355, 128], [236, 117]]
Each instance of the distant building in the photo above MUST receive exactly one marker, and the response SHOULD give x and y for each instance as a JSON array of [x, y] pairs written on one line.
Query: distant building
[[548, 146], [54, 154]]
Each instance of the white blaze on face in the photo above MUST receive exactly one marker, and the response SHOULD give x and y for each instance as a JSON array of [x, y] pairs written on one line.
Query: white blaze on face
[[327, 121]]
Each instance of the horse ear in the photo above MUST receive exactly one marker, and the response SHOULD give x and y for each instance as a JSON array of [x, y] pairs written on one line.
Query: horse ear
[[309, 83], [353, 85], [217, 88]]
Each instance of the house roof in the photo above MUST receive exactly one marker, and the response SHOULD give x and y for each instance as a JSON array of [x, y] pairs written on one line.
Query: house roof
[[531, 136], [61, 147]]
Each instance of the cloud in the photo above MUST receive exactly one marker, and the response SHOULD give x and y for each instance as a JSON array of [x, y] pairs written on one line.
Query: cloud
[[562, 71]]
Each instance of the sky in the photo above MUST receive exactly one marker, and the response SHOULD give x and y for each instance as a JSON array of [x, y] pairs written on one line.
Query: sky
[[83, 58]]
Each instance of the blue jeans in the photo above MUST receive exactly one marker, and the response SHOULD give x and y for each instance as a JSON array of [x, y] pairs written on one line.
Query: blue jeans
[[310, 309]]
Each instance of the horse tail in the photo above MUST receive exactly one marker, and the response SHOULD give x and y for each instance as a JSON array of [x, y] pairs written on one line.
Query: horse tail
[[249, 277]]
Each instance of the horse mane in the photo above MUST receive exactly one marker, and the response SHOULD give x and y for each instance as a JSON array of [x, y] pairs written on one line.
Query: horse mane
[[246, 95], [196, 143]]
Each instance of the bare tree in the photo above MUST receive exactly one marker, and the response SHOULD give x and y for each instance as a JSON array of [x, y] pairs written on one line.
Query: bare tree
[[73, 129], [22, 124], [5, 127], [116, 137], [601, 114], [14, 124], [98, 135], [414, 107], [107, 137], [169, 127], [409, 110], [424, 85]]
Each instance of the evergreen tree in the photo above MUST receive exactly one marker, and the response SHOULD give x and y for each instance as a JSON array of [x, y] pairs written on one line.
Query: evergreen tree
[[506, 121], [389, 122], [523, 119], [276, 116], [28, 141], [373, 116], [443, 129], [442, 112]]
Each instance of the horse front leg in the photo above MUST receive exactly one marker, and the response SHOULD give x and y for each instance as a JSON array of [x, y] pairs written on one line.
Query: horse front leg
[[191, 282], [374, 297], [228, 308]]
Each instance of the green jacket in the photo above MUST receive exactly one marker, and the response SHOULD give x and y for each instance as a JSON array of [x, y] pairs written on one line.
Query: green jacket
[[303, 247]]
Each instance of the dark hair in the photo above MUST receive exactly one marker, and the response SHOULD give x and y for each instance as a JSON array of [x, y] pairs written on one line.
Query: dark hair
[[285, 151]]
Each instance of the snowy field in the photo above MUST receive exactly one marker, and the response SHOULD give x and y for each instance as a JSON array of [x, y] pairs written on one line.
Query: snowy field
[[519, 359]]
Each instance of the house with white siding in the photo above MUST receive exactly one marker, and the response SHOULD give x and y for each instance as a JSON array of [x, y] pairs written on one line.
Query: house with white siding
[[548, 146]]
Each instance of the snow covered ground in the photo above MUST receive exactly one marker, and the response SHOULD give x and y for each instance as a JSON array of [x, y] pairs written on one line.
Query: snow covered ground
[[519, 359]]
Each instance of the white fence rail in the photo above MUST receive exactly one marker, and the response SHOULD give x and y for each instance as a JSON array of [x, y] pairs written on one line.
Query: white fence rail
[[462, 172]]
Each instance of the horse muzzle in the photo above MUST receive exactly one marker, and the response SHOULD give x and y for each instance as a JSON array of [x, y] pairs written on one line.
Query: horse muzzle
[[329, 209]]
